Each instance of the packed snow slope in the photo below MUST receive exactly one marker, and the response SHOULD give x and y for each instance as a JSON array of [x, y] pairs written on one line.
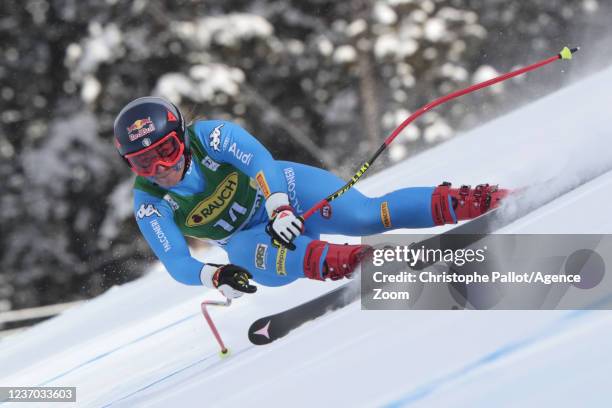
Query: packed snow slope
[[146, 343]]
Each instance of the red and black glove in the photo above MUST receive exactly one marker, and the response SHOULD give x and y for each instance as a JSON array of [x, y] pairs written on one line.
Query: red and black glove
[[231, 280]]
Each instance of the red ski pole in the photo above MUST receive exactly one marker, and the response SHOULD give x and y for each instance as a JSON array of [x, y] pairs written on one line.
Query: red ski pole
[[224, 350], [565, 54]]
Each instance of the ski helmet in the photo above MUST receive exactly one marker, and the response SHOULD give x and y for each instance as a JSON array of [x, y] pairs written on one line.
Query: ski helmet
[[150, 131]]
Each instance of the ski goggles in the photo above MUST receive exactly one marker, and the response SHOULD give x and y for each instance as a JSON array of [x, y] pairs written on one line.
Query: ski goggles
[[166, 152]]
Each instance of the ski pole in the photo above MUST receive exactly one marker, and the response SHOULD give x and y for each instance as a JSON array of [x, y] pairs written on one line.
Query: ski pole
[[565, 54], [224, 350]]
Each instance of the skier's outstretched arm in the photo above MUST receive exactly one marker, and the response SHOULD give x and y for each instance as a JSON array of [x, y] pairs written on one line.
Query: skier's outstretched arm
[[155, 220]]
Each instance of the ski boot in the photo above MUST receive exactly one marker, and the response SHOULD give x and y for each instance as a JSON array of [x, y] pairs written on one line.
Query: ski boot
[[324, 260], [449, 205]]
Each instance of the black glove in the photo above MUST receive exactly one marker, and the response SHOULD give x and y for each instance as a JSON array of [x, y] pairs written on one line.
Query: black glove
[[232, 281]]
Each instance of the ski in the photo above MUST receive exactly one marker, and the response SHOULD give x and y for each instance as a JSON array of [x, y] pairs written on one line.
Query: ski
[[272, 327], [520, 203], [269, 328]]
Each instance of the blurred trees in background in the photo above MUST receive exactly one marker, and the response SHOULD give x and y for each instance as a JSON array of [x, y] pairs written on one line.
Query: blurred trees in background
[[318, 81]]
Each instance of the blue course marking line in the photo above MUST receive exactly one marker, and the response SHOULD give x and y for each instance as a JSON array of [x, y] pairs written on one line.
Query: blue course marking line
[[159, 380], [107, 353], [176, 372], [422, 391], [557, 327]]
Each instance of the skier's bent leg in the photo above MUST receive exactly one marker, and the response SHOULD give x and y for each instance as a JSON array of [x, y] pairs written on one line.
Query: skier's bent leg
[[271, 266], [355, 214], [419, 207], [277, 266], [413, 207]]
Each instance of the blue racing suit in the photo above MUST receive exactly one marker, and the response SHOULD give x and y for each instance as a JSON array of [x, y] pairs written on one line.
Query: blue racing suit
[[221, 147]]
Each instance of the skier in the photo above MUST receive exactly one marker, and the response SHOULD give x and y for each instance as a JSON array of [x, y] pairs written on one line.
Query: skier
[[213, 180]]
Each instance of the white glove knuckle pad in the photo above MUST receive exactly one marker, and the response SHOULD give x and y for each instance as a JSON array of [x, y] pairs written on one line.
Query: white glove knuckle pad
[[229, 292], [287, 225]]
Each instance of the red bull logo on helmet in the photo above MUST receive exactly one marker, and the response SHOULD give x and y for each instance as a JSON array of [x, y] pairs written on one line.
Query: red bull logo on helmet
[[140, 128]]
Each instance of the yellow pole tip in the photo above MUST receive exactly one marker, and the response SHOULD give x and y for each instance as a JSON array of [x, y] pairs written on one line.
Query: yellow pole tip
[[224, 353], [567, 53]]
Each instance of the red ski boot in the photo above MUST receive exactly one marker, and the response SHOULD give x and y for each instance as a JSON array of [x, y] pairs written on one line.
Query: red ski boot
[[339, 260], [449, 205]]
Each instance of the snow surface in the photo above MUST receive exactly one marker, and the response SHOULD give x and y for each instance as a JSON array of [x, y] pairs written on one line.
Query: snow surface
[[146, 344]]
